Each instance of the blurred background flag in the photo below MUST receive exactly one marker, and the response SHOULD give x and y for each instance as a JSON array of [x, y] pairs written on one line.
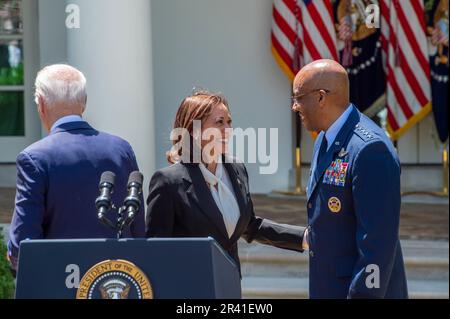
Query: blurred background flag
[[405, 46], [359, 48], [302, 31], [437, 29]]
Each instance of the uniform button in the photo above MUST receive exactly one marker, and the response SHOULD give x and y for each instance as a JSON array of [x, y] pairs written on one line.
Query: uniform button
[[311, 253], [309, 205]]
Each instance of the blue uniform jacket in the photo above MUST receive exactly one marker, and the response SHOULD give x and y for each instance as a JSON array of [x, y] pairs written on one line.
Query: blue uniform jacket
[[353, 215]]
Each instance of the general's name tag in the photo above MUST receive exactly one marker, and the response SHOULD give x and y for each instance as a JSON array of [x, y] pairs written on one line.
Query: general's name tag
[[336, 173]]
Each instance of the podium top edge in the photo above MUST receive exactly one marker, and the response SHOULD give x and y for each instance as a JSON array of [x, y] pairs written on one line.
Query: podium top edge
[[102, 240]]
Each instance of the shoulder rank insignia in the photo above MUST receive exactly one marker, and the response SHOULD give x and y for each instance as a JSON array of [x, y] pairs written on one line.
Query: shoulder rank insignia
[[336, 173], [362, 132]]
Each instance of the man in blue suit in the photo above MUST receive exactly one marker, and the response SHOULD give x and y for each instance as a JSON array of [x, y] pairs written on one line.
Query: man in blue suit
[[58, 176], [353, 196]]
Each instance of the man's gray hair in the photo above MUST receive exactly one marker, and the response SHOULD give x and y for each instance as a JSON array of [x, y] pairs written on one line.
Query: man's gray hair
[[60, 83]]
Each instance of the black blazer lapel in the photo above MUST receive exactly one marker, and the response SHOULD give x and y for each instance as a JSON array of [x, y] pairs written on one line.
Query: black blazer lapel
[[339, 142], [240, 191], [200, 194]]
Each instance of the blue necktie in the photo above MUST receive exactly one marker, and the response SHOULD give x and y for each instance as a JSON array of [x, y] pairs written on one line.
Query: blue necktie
[[322, 150]]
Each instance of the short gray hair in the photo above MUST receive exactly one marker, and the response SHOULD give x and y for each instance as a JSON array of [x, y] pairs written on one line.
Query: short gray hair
[[60, 83]]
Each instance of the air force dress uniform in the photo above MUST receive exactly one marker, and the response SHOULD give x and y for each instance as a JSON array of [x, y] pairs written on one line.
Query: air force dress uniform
[[354, 211]]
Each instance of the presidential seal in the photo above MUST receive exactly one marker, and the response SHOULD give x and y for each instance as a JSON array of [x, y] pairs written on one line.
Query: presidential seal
[[115, 279], [334, 204]]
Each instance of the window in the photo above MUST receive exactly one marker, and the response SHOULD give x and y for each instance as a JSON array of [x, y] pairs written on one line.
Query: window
[[19, 63], [12, 89]]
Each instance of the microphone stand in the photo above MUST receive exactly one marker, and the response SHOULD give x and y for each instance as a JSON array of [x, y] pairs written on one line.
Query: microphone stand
[[120, 224]]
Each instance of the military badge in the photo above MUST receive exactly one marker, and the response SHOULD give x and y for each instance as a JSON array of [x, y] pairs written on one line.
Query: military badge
[[334, 204], [336, 173], [115, 279], [343, 153]]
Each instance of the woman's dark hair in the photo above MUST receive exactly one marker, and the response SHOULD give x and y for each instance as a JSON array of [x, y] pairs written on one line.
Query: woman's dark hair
[[196, 107]]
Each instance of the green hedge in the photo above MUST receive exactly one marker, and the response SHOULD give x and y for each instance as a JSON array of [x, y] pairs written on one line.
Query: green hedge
[[6, 279]]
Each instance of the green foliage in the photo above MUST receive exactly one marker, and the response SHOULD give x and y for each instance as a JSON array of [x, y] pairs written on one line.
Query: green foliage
[[12, 116], [11, 76], [6, 279]]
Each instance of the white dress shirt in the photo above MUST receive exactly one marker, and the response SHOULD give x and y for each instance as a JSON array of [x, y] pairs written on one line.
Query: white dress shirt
[[332, 133], [335, 128], [223, 195], [66, 119]]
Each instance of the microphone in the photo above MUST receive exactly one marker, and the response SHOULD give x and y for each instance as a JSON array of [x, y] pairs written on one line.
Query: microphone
[[103, 202], [132, 203]]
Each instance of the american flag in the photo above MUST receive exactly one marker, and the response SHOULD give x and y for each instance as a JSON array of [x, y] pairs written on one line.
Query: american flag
[[405, 49], [302, 31]]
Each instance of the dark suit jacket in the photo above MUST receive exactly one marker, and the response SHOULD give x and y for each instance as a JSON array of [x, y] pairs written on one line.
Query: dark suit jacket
[[180, 204], [57, 184]]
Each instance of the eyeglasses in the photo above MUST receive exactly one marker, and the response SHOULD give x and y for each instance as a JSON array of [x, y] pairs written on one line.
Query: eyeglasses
[[296, 98]]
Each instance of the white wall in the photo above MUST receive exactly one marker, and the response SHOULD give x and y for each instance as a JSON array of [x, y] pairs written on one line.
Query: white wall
[[52, 32], [52, 35], [223, 46]]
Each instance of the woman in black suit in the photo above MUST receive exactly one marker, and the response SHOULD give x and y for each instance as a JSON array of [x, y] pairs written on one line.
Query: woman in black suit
[[208, 196]]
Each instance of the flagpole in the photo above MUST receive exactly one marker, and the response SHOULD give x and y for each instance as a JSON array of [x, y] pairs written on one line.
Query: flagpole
[[445, 171], [298, 158]]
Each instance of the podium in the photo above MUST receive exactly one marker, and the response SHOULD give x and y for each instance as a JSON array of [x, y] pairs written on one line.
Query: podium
[[159, 268]]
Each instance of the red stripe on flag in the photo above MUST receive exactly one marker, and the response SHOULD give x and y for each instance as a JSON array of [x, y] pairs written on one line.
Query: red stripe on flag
[[329, 7], [315, 55], [413, 41], [399, 94], [282, 52], [384, 10], [315, 15], [392, 120], [291, 5], [384, 43], [409, 74], [412, 80], [419, 13], [284, 26]]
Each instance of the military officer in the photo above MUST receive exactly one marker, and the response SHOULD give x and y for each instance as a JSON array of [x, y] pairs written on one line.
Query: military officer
[[353, 196]]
